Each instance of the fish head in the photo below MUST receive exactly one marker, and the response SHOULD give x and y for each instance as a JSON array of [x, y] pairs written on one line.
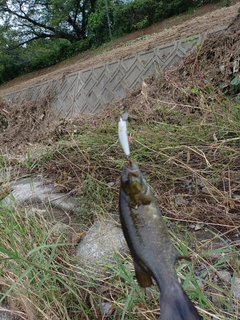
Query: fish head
[[134, 185], [131, 179]]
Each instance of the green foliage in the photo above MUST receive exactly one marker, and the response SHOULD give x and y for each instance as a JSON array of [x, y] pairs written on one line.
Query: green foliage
[[126, 17], [177, 6], [46, 33], [29, 255], [53, 31], [37, 55], [55, 51], [136, 15], [98, 29], [45, 19]]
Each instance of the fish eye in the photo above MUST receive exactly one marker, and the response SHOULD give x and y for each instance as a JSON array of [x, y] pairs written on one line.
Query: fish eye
[[127, 181]]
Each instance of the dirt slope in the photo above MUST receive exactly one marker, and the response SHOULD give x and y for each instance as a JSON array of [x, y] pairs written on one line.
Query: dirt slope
[[206, 18]]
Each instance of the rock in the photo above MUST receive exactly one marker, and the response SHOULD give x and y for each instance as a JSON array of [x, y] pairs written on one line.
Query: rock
[[200, 284], [101, 242], [224, 275], [222, 69], [33, 211], [236, 289], [110, 184], [32, 191], [180, 201], [106, 308], [6, 314]]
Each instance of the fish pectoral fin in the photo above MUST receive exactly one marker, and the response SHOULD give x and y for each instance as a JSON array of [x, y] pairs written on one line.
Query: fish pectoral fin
[[143, 278], [144, 199]]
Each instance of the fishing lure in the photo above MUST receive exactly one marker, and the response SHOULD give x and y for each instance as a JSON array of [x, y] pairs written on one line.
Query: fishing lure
[[123, 134]]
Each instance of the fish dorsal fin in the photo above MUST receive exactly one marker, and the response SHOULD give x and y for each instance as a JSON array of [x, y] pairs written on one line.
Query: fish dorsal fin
[[144, 199]]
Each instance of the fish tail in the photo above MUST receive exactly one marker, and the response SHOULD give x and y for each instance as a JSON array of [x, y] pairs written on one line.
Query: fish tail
[[177, 306]]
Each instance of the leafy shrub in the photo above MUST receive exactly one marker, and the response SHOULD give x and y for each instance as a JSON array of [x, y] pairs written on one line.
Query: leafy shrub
[[98, 30], [38, 55]]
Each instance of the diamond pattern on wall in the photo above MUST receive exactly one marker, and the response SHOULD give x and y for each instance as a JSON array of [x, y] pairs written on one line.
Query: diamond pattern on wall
[[102, 82], [145, 57], [116, 79], [86, 91], [111, 67], [98, 71], [86, 74], [132, 75], [128, 62]]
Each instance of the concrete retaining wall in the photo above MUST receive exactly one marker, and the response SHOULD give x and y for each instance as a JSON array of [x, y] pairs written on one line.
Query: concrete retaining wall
[[86, 91]]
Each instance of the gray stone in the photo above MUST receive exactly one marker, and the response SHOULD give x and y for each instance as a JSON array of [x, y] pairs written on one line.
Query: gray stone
[[32, 211], [106, 308], [101, 242], [200, 284], [33, 191], [224, 275], [236, 289], [180, 201], [6, 314]]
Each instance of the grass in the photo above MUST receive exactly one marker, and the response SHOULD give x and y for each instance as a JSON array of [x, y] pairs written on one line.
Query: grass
[[188, 148]]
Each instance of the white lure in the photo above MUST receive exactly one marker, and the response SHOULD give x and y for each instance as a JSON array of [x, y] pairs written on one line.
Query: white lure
[[123, 135]]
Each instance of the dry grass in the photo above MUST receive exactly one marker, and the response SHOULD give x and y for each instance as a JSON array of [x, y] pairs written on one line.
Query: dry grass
[[189, 155]]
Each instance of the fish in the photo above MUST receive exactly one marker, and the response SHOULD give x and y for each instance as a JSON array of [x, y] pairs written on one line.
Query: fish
[[154, 256]]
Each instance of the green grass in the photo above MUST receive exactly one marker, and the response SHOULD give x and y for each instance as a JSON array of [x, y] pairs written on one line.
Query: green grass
[[39, 277]]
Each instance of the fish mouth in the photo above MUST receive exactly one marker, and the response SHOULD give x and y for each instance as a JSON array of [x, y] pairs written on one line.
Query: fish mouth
[[130, 166], [129, 169], [131, 180]]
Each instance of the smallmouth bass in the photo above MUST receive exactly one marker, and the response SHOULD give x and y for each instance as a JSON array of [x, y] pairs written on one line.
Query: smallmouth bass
[[153, 253]]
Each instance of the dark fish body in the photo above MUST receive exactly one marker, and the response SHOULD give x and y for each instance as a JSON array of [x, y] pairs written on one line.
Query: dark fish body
[[153, 253]]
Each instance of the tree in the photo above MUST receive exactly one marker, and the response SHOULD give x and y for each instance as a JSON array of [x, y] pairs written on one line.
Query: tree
[[28, 20], [39, 33], [100, 22]]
